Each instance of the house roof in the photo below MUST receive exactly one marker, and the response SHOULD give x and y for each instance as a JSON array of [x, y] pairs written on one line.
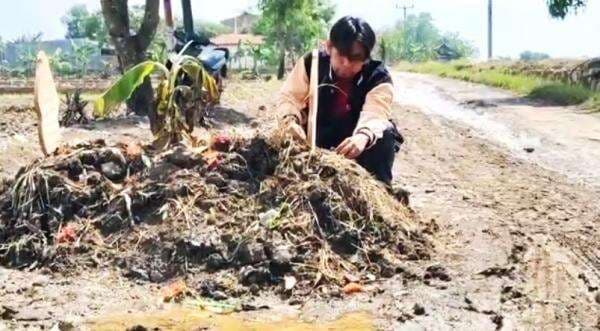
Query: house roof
[[244, 14], [232, 39]]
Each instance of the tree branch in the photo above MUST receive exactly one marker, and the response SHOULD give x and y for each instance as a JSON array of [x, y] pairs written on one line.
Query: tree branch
[[149, 24]]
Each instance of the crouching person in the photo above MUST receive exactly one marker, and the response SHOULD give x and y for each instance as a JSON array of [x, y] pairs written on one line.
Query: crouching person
[[355, 100]]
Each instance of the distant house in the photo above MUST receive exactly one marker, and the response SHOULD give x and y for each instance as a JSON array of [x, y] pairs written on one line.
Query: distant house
[[241, 24], [233, 41], [446, 53]]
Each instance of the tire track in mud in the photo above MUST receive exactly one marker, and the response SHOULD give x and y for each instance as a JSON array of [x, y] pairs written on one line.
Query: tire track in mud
[[549, 287], [541, 227]]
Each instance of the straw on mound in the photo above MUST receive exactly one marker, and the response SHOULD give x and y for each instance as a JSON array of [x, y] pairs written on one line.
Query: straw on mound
[[265, 207]]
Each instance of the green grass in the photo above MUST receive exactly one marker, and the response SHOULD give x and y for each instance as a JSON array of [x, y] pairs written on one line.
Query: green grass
[[556, 92]]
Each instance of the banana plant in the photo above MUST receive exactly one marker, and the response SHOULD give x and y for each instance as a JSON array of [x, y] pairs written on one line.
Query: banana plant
[[182, 94]]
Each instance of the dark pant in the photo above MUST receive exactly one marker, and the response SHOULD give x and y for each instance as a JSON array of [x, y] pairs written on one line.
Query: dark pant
[[379, 159]]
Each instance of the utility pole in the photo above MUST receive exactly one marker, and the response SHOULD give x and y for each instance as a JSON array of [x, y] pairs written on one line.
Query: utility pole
[[490, 14], [404, 8]]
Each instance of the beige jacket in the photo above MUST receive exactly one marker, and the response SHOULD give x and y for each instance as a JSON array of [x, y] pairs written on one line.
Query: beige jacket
[[374, 117]]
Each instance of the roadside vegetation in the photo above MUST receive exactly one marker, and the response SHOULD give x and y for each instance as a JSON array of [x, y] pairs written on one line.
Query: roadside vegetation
[[501, 76], [417, 39]]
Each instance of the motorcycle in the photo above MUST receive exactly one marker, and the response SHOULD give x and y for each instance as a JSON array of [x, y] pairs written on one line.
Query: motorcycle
[[214, 59]]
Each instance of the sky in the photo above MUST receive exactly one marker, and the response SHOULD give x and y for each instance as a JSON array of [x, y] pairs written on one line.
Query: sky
[[519, 25]]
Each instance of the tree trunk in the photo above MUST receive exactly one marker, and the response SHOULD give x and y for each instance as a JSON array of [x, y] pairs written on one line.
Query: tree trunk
[[131, 49], [281, 70]]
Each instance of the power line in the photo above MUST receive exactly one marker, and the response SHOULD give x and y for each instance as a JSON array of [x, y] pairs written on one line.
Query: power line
[[404, 8], [490, 21]]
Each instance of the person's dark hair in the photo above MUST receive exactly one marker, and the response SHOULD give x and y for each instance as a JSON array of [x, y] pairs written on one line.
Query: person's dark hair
[[349, 30]]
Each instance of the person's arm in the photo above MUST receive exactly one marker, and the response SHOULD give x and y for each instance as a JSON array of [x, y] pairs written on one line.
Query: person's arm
[[375, 115], [293, 96]]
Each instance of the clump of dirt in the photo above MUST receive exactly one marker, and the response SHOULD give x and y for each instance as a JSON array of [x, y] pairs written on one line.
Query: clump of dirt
[[267, 208]]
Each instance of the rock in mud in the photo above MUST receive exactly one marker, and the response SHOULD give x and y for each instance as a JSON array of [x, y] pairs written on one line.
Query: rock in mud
[[498, 320], [498, 272], [251, 253], [216, 261], [437, 272], [196, 249], [137, 328], [111, 154], [75, 169], [94, 179], [137, 273], [184, 157], [216, 179], [281, 261], [260, 158], [113, 171], [7, 313], [418, 309], [324, 212], [211, 289], [250, 275], [112, 224], [88, 157], [345, 242], [510, 293]]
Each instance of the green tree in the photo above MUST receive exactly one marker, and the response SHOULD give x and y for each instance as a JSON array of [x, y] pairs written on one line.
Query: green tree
[[60, 63], [462, 47], [560, 8], [293, 27], [83, 24], [2, 49], [82, 54], [417, 39], [259, 54]]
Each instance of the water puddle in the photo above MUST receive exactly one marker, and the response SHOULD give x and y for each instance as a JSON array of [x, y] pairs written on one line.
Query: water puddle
[[182, 318], [432, 101]]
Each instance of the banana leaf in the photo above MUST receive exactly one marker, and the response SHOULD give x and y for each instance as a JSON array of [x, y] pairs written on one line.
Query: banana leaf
[[125, 86], [202, 79]]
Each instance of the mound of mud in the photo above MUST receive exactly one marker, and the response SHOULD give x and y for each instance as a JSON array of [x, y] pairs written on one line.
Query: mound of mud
[[253, 212]]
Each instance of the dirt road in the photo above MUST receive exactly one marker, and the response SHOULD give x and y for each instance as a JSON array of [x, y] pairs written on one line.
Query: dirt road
[[519, 239], [517, 244]]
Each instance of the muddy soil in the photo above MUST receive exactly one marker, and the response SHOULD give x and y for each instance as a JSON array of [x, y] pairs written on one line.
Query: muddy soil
[[516, 243]]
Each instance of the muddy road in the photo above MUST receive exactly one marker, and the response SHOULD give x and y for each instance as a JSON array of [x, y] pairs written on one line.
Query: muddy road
[[512, 188]]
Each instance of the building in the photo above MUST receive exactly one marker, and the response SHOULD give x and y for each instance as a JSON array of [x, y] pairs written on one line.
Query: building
[[233, 41], [446, 53], [241, 24]]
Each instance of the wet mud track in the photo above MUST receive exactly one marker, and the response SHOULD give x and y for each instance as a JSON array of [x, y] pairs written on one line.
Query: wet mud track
[[520, 241]]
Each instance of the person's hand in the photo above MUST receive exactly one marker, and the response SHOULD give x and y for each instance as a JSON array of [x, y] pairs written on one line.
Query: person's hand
[[353, 146], [296, 131], [293, 129]]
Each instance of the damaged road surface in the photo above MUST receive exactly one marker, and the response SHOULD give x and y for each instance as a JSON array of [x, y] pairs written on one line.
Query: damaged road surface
[[491, 241]]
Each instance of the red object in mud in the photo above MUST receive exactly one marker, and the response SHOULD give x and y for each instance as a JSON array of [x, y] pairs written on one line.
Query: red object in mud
[[65, 235], [221, 143]]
